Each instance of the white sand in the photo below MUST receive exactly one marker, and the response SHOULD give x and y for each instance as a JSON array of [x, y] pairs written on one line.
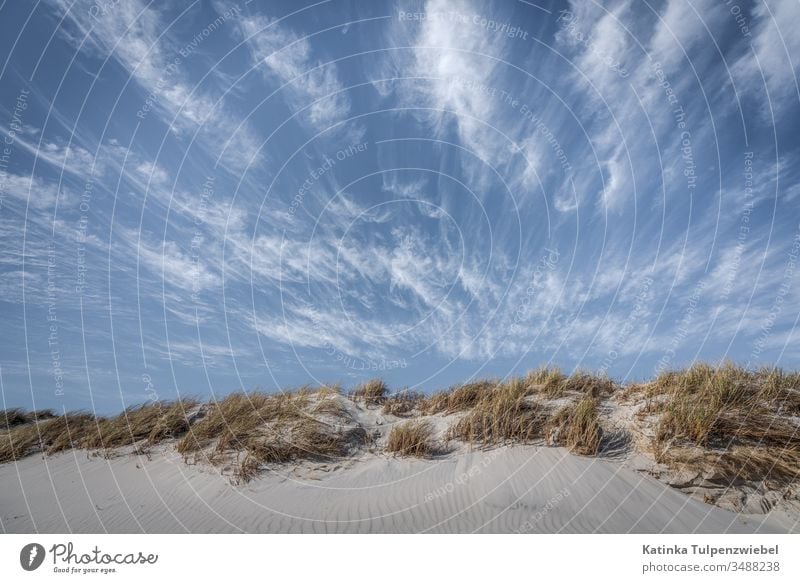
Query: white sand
[[533, 489]]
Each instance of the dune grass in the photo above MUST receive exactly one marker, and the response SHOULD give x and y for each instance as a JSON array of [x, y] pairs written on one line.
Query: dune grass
[[549, 381], [372, 392], [589, 384], [173, 420], [239, 417], [505, 413], [709, 406], [776, 468], [412, 438], [12, 417], [458, 398], [44, 432], [403, 404], [577, 426], [254, 429], [306, 439], [154, 422], [49, 436], [326, 401], [726, 421]]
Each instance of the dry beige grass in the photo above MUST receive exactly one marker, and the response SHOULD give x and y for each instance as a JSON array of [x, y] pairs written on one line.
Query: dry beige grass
[[257, 429], [723, 420], [556, 426], [738, 464], [237, 418], [328, 401], [12, 417], [153, 421], [781, 389], [711, 406], [458, 398], [67, 431], [173, 421], [584, 432], [727, 420], [51, 435], [589, 384], [506, 413], [550, 381], [412, 438], [372, 392], [576, 426], [300, 439], [403, 404]]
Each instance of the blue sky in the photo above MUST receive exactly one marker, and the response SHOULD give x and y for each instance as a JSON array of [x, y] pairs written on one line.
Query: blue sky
[[204, 197]]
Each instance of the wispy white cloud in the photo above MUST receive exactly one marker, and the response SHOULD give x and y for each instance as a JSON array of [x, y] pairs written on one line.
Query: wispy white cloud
[[36, 192], [134, 34], [455, 63], [70, 159], [773, 62], [681, 27], [288, 58]]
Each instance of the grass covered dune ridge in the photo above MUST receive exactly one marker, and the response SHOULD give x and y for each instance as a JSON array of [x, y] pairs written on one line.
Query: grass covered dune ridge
[[722, 425]]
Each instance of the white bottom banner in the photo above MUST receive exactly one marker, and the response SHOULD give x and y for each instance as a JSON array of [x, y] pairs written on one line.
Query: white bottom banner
[[390, 558]]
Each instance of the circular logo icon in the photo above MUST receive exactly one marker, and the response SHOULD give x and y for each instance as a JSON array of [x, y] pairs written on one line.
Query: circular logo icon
[[31, 556]]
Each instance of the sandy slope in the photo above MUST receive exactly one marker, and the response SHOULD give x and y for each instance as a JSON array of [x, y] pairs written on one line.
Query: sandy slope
[[529, 489]]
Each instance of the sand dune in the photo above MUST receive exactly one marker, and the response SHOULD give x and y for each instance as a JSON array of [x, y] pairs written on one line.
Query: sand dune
[[659, 454], [509, 489]]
